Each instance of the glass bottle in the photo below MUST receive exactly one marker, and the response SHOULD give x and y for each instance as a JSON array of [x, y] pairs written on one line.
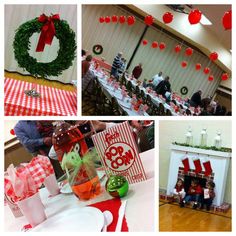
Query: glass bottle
[[203, 138], [189, 137], [218, 140]]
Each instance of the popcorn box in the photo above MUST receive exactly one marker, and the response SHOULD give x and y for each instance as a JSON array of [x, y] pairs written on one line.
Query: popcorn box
[[119, 153]]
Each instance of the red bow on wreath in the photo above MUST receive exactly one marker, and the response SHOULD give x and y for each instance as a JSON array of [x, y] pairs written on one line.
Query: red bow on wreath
[[47, 31]]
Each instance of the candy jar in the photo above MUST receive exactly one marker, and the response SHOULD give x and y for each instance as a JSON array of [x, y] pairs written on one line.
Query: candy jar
[[218, 140], [203, 138], [189, 137]]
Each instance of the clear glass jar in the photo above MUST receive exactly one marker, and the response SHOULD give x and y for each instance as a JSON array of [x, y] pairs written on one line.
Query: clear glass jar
[[189, 137], [203, 138], [218, 140]]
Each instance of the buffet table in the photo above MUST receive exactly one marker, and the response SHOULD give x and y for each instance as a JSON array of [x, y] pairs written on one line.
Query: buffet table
[[139, 208]]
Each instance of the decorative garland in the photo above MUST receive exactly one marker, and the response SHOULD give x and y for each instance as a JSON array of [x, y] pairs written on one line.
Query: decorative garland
[[97, 49], [184, 90], [66, 52]]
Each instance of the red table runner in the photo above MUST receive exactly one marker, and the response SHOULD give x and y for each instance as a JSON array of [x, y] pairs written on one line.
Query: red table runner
[[103, 64], [52, 102]]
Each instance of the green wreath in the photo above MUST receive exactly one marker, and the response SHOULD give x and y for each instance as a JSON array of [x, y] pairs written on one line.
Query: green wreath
[[97, 49], [66, 52], [184, 90]]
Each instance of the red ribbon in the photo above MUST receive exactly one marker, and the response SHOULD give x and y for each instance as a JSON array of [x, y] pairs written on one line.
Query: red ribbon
[[47, 31]]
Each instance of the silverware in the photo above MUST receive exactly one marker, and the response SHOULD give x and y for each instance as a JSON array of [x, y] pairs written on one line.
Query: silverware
[[121, 216]]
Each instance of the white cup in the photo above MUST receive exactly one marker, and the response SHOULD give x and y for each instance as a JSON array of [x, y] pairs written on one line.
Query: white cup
[[50, 183]]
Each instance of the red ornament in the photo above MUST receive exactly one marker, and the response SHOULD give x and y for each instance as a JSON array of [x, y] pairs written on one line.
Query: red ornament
[[206, 70], [184, 64], [12, 132], [131, 20], [211, 78], [167, 17], [224, 76], [198, 66], [214, 56], [177, 48], [145, 42], [227, 20], [154, 44], [107, 19], [194, 17], [101, 19], [148, 20], [188, 51], [162, 46], [122, 19], [114, 18]]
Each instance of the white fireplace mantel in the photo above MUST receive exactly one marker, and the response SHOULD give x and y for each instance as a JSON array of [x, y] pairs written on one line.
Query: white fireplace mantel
[[219, 163]]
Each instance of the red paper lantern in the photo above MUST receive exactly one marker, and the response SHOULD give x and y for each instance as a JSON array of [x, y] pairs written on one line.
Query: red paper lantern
[[145, 42], [155, 44], [162, 46], [194, 17], [101, 19], [114, 18], [224, 76], [198, 66], [148, 20], [122, 19], [167, 17], [227, 20], [177, 48], [107, 19], [184, 64], [214, 56], [188, 51], [131, 20], [206, 70], [211, 78], [12, 132]]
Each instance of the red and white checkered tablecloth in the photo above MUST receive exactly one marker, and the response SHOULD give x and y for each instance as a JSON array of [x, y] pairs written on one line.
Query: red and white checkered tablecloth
[[52, 102]]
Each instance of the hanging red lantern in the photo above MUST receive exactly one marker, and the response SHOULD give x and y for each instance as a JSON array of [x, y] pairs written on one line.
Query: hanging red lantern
[[145, 42], [224, 76], [130, 20], [154, 44], [101, 19], [167, 17], [122, 19], [214, 56], [206, 70], [162, 46], [188, 51], [227, 20], [177, 48], [149, 20], [198, 66], [211, 78], [114, 18], [107, 19], [184, 64], [12, 132], [194, 17]]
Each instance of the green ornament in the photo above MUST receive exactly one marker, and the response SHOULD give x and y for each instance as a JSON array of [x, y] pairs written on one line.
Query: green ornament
[[117, 186]]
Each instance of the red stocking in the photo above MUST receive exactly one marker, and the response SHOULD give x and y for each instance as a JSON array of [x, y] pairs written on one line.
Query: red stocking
[[186, 164], [198, 167], [208, 169]]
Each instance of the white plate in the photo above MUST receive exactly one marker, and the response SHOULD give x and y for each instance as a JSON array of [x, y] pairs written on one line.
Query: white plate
[[85, 219], [66, 189]]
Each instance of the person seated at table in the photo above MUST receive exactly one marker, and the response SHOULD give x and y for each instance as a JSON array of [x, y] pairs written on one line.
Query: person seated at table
[[164, 86], [206, 101], [156, 79], [122, 68], [207, 112], [196, 99], [117, 63], [87, 74], [83, 54], [137, 71]]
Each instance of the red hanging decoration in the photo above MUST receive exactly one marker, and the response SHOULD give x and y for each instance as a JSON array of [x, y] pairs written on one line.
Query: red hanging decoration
[[206, 70], [101, 19], [184, 64], [162, 46], [227, 20], [145, 42], [213, 56], [130, 20], [185, 162], [177, 48], [149, 20], [207, 167], [211, 78], [155, 44], [224, 76], [198, 167], [107, 19], [167, 17], [114, 18], [194, 17], [12, 132], [188, 51], [122, 19], [198, 66]]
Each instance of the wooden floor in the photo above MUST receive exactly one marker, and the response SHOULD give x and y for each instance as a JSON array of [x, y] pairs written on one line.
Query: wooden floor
[[174, 218]]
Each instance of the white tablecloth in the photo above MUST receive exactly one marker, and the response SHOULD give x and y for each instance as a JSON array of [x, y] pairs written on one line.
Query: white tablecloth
[[139, 209]]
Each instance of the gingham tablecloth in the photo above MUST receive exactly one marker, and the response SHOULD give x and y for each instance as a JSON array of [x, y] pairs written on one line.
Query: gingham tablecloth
[[52, 102]]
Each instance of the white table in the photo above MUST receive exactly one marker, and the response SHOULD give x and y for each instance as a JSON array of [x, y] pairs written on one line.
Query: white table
[[139, 209]]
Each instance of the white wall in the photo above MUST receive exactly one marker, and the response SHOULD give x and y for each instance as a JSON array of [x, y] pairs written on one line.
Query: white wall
[[8, 125]]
